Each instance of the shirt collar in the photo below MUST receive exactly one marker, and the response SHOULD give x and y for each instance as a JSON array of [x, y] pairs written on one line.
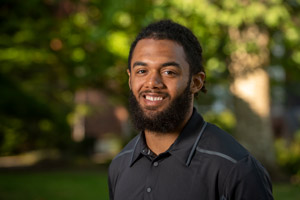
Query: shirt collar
[[184, 146], [139, 146]]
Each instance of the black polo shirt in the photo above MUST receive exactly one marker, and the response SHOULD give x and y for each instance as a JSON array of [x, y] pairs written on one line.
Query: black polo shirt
[[203, 163]]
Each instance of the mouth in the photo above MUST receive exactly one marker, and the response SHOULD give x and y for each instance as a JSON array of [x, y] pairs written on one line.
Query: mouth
[[153, 100]]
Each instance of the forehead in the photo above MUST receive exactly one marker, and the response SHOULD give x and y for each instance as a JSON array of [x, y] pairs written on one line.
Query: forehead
[[157, 48]]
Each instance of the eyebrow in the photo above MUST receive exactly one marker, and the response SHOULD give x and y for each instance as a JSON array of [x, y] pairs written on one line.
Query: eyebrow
[[171, 64], [139, 63]]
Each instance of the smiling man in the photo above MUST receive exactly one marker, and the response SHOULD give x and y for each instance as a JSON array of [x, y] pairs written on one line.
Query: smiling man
[[177, 155]]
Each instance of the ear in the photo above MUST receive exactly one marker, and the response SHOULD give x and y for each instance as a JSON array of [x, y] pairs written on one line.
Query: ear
[[129, 83], [197, 82]]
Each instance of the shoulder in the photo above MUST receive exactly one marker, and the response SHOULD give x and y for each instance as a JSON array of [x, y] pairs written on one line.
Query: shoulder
[[219, 143], [248, 179], [240, 172], [119, 162], [123, 158]]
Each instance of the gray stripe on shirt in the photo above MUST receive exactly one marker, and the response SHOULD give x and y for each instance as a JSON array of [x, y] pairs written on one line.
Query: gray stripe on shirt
[[216, 154]]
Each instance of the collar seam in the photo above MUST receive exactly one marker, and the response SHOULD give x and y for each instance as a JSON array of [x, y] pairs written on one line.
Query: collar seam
[[188, 162], [133, 150], [123, 153]]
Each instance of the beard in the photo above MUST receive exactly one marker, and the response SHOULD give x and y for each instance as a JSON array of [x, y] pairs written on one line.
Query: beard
[[165, 121]]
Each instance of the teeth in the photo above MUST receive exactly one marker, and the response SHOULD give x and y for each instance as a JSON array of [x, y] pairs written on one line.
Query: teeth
[[154, 98]]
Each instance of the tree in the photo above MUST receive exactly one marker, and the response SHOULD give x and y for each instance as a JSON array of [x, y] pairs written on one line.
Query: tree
[[240, 35], [50, 49]]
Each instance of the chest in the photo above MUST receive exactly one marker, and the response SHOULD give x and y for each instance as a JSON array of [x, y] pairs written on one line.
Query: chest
[[168, 179]]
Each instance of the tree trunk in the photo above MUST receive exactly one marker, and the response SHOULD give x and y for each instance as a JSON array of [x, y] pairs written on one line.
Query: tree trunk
[[250, 87]]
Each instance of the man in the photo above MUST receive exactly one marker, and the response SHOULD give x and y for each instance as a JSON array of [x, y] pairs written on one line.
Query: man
[[177, 155]]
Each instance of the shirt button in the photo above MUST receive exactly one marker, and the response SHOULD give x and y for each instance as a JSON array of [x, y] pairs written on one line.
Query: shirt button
[[155, 164], [149, 189]]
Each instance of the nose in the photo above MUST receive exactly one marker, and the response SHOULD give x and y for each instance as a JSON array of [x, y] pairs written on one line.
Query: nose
[[154, 81]]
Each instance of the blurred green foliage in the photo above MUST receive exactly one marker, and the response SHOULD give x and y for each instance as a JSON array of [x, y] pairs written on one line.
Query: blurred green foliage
[[49, 49], [289, 156]]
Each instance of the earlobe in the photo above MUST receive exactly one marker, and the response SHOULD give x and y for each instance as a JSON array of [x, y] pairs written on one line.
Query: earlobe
[[129, 83], [197, 82]]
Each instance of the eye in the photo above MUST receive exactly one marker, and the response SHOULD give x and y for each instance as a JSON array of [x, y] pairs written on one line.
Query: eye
[[168, 72], [141, 71]]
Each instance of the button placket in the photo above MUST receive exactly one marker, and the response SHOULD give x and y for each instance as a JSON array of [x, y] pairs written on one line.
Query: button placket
[[152, 178]]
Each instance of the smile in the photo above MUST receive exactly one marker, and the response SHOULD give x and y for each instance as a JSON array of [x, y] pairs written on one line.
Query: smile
[[151, 98]]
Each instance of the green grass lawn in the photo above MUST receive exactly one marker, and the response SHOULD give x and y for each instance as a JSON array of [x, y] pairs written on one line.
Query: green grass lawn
[[54, 185], [79, 185]]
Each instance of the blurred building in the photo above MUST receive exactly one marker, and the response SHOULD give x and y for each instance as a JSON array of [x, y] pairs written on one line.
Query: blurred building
[[96, 117]]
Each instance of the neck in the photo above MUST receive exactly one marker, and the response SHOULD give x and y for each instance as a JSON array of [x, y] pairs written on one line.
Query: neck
[[161, 142]]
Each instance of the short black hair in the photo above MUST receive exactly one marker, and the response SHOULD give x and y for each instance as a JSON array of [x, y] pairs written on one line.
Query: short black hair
[[169, 30]]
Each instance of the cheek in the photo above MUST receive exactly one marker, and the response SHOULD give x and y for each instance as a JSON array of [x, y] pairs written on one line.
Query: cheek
[[179, 87], [136, 85]]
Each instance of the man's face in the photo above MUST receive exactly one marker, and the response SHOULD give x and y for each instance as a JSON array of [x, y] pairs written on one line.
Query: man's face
[[159, 75], [159, 72]]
